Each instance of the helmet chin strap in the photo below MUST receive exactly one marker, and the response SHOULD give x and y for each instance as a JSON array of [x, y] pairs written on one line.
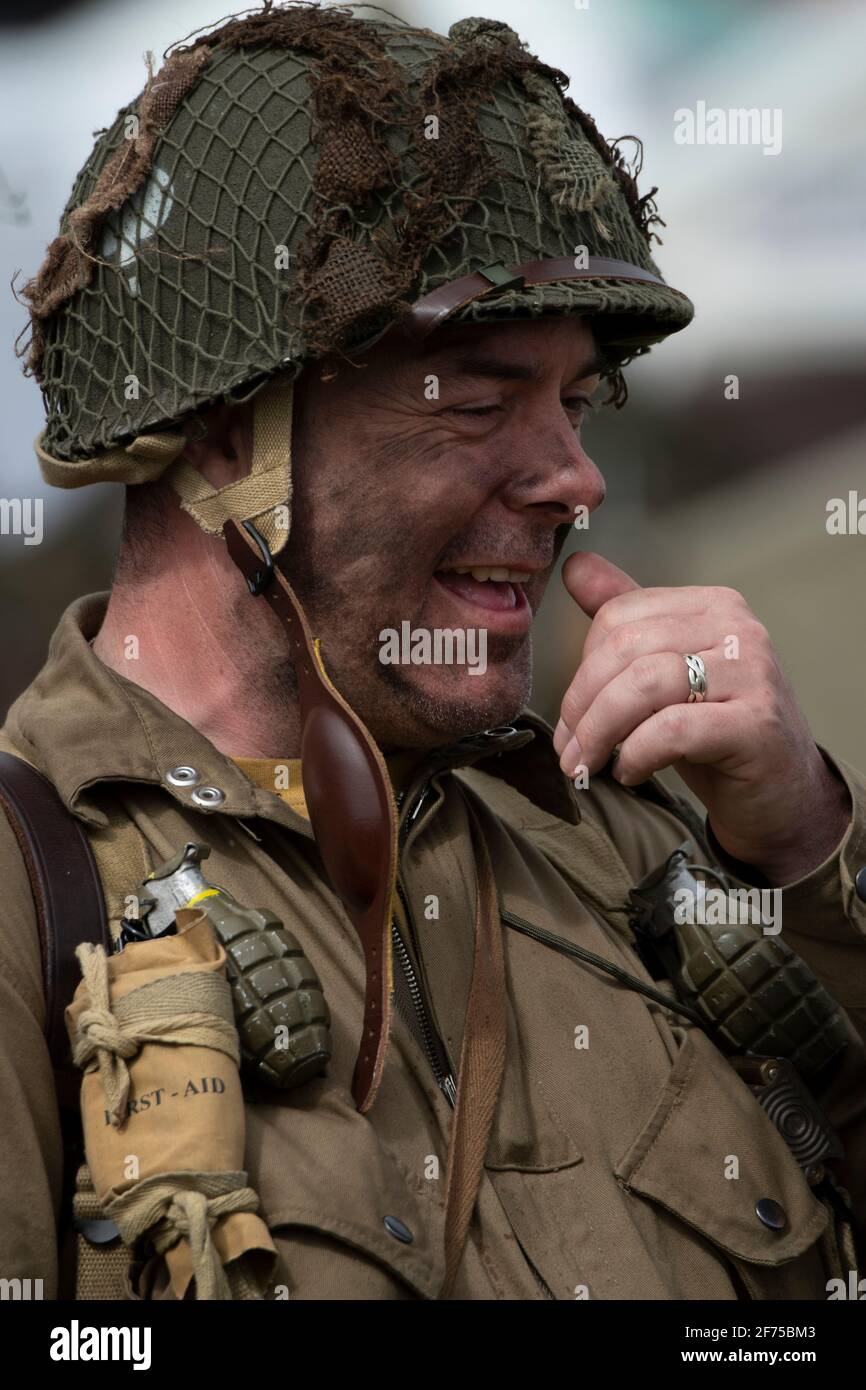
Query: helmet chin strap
[[346, 784], [264, 496], [349, 798]]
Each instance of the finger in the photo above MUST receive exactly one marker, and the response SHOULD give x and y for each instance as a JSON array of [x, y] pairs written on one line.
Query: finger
[[729, 608], [625, 645], [698, 733], [592, 581], [647, 685]]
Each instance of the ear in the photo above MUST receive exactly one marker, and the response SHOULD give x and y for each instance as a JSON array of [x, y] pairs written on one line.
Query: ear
[[222, 452]]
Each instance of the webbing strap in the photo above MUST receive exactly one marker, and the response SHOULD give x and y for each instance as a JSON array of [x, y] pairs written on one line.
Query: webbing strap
[[264, 495], [482, 1063], [95, 1262]]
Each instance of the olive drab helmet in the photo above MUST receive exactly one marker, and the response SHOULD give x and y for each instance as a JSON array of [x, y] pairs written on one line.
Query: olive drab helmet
[[289, 185], [286, 188]]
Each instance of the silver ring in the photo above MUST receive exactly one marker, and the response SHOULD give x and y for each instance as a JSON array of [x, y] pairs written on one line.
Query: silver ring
[[697, 679]]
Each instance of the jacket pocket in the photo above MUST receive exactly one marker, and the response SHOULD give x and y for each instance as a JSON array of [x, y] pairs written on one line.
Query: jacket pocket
[[527, 1134], [709, 1155], [321, 1168]]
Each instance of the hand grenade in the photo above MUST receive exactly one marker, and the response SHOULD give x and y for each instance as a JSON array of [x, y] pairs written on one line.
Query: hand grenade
[[755, 993], [281, 1016]]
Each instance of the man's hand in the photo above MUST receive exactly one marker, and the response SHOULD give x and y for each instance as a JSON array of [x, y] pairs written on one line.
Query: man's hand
[[745, 751]]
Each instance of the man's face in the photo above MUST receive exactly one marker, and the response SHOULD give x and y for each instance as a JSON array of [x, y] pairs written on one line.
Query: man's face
[[415, 473]]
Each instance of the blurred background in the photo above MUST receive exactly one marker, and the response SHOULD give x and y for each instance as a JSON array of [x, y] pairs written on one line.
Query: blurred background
[[701, 489]]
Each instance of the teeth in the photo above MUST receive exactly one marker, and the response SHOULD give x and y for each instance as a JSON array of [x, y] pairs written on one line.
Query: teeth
[[499, 574]]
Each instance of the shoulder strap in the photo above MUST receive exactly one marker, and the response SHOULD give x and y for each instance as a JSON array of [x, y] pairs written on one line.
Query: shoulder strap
[[70, 908], [66, 890]]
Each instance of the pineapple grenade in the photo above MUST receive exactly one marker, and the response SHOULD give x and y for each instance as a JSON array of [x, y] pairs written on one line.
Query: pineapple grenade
[[281, 1016]]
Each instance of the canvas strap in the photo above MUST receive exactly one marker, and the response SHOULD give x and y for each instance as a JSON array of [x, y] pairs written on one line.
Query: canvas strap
[[482, 1063], [263, 496]]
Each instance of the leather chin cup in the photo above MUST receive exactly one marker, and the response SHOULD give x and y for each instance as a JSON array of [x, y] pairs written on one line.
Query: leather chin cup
[[349, 798]]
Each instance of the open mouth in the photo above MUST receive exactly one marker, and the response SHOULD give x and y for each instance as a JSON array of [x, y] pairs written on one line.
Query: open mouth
[[493, 588]]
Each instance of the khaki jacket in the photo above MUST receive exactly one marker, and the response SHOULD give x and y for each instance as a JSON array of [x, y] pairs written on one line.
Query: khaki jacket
[[605, 1175]]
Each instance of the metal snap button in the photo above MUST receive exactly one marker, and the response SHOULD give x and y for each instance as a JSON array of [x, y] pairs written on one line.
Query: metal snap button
[[97, 1232], [771, 1214], [398, 1230], [860, 884], [182, 777], [208, 797]]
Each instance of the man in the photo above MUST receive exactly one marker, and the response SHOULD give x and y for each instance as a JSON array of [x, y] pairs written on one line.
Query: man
[[446, 348]]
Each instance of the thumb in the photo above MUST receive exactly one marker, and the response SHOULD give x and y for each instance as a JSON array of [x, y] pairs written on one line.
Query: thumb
[[591, 580]]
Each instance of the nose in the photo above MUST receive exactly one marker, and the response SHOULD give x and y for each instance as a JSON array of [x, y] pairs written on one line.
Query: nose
[[553, 473]]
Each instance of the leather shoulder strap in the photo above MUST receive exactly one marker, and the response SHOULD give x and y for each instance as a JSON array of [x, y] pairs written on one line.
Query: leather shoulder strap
[[66, 888]]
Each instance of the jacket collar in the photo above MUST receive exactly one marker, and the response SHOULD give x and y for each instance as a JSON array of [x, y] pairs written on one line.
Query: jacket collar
[[84, 725]]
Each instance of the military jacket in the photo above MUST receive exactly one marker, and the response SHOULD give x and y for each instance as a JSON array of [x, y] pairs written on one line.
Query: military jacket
[[608, 1172]]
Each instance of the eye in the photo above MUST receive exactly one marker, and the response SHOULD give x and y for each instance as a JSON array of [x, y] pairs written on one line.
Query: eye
[[581, 406], [475, 409], [574, 405]]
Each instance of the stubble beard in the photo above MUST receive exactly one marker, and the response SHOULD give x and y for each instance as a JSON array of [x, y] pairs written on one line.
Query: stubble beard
[[394, 705], [448, 716]]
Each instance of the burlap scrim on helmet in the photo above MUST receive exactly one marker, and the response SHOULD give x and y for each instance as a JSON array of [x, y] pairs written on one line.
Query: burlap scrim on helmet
[[337, 282]]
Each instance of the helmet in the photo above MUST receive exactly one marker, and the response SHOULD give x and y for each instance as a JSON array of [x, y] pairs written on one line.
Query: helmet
[[291, 185]]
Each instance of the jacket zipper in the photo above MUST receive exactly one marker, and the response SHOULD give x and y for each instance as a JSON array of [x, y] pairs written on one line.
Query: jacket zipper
[[424, 1032]]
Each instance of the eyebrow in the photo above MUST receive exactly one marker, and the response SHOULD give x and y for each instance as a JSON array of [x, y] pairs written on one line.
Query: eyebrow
[[499, 369]]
